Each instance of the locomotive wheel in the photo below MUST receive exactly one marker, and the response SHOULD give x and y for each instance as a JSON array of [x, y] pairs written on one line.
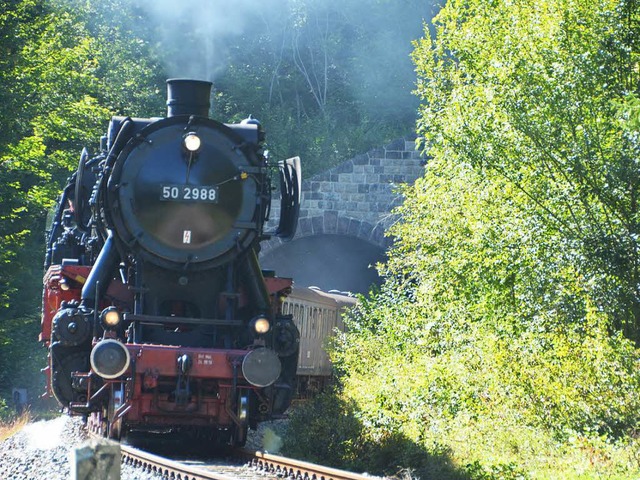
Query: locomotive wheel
[[96, 425], [114, 431], [99, 423], [238, 437], [102, 424]]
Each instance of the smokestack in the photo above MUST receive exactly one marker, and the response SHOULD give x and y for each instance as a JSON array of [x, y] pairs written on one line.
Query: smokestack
[[188, 97]]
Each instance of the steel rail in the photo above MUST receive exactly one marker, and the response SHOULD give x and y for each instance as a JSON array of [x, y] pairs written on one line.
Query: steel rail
[[295, 469], [166, 467], [265, 463]]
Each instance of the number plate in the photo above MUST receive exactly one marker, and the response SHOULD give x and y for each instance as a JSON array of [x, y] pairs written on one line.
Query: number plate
[[189, 193]]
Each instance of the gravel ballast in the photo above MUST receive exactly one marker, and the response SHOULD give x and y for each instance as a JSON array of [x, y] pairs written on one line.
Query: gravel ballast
[[42, 450]]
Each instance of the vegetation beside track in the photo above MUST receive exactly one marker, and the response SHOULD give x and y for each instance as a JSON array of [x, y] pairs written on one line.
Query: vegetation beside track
[[14, 424], [504, 342]]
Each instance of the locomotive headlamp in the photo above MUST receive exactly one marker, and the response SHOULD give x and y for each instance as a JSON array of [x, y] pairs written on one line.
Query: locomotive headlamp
[[63, 284], [261, 367], [109, 358], [260, 325], [192, 142], [110, 317]]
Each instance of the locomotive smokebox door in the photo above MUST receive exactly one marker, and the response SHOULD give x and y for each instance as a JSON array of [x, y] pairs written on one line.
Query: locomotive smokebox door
[[182, 206]]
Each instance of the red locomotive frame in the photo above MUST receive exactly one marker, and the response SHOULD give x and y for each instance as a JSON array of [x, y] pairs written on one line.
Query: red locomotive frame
[[63, 283]]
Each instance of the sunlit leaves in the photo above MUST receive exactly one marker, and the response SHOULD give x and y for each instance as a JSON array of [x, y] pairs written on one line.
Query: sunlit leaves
[[534, 94], [511, 296]]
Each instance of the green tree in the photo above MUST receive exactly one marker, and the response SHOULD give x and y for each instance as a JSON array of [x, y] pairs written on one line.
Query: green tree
[[506, 330], [537, 100], [323, 85]]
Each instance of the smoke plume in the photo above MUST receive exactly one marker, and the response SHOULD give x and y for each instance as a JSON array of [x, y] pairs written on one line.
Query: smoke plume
[[201, 38]]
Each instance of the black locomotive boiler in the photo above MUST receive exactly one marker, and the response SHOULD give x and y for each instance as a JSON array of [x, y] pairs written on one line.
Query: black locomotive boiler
[[156, 313]]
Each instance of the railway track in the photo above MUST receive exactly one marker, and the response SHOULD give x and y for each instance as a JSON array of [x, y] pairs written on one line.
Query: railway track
[[250, 465]]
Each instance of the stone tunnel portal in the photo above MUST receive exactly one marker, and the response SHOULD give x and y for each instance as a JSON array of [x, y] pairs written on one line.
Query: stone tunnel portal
[[344, 214]]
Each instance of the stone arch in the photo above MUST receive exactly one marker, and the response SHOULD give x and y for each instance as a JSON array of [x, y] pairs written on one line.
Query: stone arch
[[352, 201]]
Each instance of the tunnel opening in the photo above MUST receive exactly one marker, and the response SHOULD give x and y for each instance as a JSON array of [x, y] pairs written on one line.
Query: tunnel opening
[[330, 262]]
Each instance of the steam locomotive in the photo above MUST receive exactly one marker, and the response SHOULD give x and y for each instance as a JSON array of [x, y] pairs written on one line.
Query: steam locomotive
[[156, 313]]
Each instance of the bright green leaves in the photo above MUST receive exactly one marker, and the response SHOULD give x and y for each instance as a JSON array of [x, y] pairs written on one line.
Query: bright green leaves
[[535, 94], [507, 322], [63, 90], [629, 112]]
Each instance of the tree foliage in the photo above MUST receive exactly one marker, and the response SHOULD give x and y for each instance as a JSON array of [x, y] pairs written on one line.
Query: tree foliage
[[545, 116], [323, 85], [506, 331]]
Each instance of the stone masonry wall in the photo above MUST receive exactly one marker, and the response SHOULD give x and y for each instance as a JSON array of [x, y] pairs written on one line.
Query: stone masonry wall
[[356, 197]]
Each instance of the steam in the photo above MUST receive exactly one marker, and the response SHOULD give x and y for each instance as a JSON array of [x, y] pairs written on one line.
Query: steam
[[195, 35], [45, 434], [271, 441], [200, 39]]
